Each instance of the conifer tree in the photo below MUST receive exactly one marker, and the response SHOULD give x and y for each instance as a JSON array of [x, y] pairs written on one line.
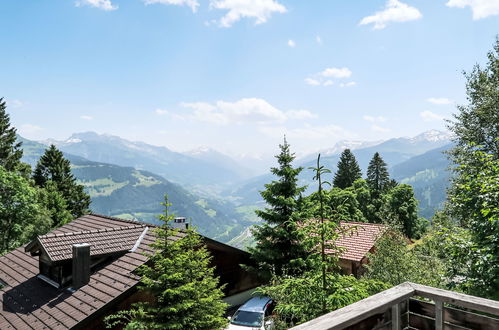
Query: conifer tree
[[348, 170], [378, 179], [278, 249], [53, 167], [178, 276], [10, 150]]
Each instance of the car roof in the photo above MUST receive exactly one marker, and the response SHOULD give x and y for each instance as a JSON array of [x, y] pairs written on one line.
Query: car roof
[[255, 304]]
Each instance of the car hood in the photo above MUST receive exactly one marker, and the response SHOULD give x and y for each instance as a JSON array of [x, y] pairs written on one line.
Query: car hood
[[240, 327]]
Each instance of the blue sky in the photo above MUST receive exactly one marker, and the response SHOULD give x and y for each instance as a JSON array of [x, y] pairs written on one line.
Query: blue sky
[[236, 75]]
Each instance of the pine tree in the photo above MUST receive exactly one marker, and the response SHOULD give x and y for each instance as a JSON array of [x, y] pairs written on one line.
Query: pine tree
[[377, 175], [10, 150], [348, 170], [278, 249], [179, 277], [53, 167]]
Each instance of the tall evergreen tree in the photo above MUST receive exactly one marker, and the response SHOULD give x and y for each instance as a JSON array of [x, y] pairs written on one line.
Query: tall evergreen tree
[[377, 175], [179, 277], [53, 167], [278, 249], [10, 150], [348, 170]]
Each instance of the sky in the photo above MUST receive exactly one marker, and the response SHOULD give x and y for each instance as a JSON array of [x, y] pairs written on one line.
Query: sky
[[236, 75]]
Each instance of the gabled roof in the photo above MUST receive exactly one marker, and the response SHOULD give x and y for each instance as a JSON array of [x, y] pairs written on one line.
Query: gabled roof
[[26, 302], [104, 241], [359, 239]]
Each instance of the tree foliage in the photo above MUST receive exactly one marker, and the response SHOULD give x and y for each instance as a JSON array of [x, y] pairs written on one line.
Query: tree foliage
[[22, 216], [10, 149], [278, 249], [378, 178], [403, 208], [348, 170], [178, 276], [54, 170]]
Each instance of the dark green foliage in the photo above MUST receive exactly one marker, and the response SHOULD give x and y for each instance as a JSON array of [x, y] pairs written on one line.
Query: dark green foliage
[[403, 208], [300, 299], [53, 167], [56, 205], [378, 178], [342, 204], [22, 216], [278, 249], [348, 170], [183, 285], [394, 263], [10, 149]]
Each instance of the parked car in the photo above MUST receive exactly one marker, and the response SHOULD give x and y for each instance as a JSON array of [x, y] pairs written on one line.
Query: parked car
[[254, 314]]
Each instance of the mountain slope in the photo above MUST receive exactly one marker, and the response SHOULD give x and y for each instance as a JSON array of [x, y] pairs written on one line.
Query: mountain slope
[[171, 165], [130, 193]]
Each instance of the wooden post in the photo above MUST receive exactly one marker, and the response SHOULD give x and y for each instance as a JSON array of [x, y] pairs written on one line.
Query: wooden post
[[396, 317], [439, 315]]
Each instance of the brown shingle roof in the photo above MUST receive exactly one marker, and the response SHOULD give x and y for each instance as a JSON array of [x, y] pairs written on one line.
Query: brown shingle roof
[[29, 303], [359, 239], [102, 241]]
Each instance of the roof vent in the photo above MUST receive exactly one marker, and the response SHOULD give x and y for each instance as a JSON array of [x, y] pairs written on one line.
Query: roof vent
[[180, 223], [81, 265]]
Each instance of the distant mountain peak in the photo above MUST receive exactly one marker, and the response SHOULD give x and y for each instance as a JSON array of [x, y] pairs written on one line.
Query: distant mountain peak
[[433, 136]]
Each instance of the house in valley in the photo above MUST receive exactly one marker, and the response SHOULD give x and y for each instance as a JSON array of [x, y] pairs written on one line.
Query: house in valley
[[76, 275]]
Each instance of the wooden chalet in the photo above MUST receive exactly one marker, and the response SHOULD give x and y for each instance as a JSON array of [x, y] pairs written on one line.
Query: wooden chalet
[[77, 274]]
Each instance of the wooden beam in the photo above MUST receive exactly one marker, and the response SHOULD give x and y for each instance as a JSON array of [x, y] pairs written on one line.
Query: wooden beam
[[439, 315], [396, 317], [458, 299], [356, 312]]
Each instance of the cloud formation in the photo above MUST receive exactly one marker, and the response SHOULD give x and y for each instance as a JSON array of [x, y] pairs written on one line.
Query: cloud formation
[[260, 10], [308, 132], [101, 4], [430, 116], [439, 100], [193, 4], [85, 117], [291, 43], [394, 11], [29, 129], [480, 8], [372, 119], [325, 77], [246, 110]]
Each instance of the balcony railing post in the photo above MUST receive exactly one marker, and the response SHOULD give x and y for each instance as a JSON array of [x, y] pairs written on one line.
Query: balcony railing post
[[396, 317], [439, 315]]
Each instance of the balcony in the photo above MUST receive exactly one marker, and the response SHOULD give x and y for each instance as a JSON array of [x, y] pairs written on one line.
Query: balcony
[[397, 308]]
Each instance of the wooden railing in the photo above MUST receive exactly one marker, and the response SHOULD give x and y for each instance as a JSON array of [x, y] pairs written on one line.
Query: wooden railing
[[396, 309]]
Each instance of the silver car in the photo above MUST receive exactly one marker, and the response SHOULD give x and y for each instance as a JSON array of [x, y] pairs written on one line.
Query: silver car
[[254, 314]]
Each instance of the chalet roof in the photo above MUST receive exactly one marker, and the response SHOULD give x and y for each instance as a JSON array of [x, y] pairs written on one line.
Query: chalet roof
[[58, 246], [29, 303], [359, 239]]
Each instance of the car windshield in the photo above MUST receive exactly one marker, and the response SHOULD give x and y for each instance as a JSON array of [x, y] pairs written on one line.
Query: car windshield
[[249, 319]]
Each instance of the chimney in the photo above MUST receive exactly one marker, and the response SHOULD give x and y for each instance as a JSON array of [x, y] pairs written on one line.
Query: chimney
[[180, 223], [81, 265]]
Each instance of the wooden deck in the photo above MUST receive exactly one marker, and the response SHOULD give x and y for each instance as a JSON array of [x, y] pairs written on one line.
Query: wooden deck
[[401, 307]]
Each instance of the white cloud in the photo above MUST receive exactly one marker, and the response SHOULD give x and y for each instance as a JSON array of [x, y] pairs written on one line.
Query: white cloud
[[312, 82], [300, 114], [85, 117], [439, 100], [260, 10], [430, 116], [29, 129], [394, 11], [101, 4], [318, 39], [348, 84], [480, 8], [291, 43], [193, 4], [308, 132], [325, 77], [377, 119], [246, 110], [380, 129], [336, 73]]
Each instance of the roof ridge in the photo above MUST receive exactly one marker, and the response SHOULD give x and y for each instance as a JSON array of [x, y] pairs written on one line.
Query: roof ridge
[[119, 219], [94, 231]]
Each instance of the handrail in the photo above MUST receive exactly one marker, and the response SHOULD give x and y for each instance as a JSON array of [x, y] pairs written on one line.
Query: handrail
[[380, 302]]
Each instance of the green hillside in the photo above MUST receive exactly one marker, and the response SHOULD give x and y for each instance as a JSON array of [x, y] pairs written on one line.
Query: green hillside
[[130, 193]]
